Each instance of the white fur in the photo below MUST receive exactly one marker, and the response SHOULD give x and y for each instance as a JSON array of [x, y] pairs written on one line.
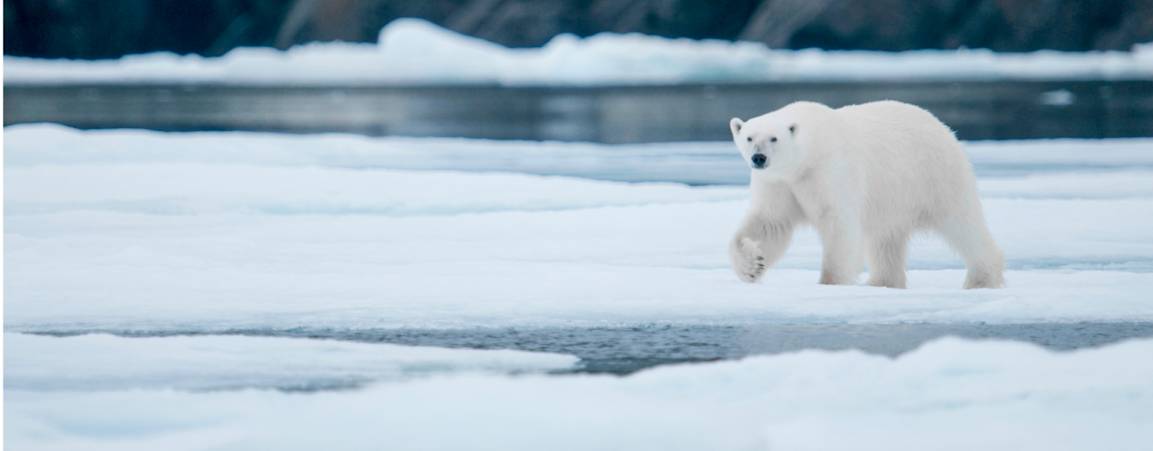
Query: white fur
[[866, 177]]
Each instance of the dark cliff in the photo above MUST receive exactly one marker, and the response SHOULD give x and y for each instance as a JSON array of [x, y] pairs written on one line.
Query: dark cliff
[[111, 28]]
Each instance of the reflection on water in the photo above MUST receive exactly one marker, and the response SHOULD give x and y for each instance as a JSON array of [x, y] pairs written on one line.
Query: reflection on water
[[612, 114]]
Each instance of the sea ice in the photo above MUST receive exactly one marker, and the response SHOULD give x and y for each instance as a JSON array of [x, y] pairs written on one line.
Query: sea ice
[[412, 51], [948, 395], [206, 362], [129, 230]]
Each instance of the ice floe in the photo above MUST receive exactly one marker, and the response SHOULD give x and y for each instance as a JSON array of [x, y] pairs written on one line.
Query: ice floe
[[948, 395], [206, 362], [128, 230], [412, 51]]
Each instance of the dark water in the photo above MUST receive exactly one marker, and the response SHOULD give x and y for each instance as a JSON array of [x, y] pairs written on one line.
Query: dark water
[[623, 350], [994, 109]]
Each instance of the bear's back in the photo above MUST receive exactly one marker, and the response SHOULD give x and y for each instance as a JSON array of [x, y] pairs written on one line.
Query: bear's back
[[894, 112], [911, 159]]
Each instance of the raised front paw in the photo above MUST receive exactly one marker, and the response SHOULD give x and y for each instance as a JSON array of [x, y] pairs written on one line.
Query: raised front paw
[[748, 262]]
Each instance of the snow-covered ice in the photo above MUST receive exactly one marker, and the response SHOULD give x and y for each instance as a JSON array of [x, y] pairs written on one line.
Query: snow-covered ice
[[216, 231], [411, 51], [106, 362], [948, 395], [688, 163], [202, 233]]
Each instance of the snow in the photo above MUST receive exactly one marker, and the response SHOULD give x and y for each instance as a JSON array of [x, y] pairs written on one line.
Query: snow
[[181, 189], [105, 362], [128, 230], [195, 234], [411, 51], [948, 395]]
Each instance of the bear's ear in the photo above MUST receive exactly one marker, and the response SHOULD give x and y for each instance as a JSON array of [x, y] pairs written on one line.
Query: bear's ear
[[735, 125], [793, 129]]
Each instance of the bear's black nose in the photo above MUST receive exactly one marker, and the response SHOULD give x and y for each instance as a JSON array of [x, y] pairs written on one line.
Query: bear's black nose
[[759, 160]]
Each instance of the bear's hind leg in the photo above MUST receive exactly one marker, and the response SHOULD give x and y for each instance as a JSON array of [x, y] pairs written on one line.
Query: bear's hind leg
[[983, 260], [887, 255], [841, 261]]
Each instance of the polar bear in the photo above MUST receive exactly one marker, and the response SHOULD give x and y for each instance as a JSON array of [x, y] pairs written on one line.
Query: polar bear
[[866, 177]]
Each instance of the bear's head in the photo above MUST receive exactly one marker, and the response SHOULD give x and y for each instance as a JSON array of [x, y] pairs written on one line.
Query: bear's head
[[768, 144]]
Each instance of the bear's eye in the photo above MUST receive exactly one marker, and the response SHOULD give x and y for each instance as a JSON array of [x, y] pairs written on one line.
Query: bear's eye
[[773, 139], [749, 139]]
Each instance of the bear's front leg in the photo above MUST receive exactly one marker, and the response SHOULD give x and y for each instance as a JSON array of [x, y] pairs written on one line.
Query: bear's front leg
[[758, 244], [842, 259], [746, 257]]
